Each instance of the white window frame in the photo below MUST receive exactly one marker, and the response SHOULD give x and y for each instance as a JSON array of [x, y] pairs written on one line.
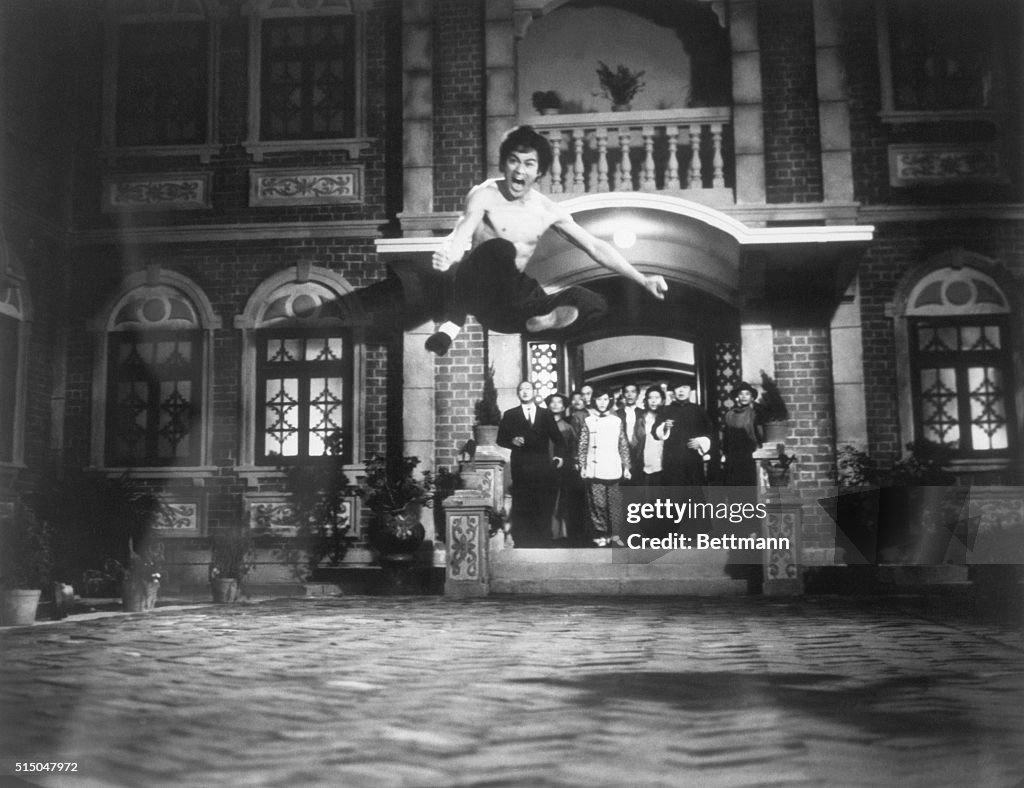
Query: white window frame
[[118, 15], [293, 280], [260, 10], [889, 113], [901, 311]]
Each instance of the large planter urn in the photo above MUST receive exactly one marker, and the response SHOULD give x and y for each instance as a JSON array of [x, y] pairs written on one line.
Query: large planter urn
[[18, 606], [397, 533]]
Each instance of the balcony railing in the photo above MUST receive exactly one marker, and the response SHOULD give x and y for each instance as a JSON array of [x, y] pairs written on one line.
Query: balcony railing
[[685, 151]]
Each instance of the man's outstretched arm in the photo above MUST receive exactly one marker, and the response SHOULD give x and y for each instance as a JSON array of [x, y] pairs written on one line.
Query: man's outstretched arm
[[460, 238], [608, 256]]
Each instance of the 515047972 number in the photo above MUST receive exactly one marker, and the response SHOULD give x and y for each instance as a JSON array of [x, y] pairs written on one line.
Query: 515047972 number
[[45, 766]]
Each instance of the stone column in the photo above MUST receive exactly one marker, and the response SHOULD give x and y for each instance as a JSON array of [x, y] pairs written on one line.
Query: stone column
[[748, 120], [833, 107], [418, 109], [500, 85]]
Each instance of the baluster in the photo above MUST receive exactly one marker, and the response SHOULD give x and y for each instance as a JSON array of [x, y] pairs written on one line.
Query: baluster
[[577, 169], [624, 172], [555, 141], [602, 160], [719, 164], [648, 183], [672, 167], [694, 179]]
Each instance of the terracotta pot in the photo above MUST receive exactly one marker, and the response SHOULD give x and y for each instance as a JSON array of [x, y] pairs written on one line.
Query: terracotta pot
[[18, 606], [485, 434], [224, 590], [776, 432], [140, 595]]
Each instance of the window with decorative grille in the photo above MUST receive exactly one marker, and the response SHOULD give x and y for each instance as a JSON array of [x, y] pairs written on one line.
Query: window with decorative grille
[[162, 83], [308, 82], [304, 379], [9, 362], [961, 376], [154, 398]]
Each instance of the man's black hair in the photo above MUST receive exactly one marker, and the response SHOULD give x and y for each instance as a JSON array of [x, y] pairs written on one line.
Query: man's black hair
[[523, 138]]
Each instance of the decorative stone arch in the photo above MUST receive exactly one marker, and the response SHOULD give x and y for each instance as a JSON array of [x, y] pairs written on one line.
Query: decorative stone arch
[[951, 283], [312, 297], [15, 307], [154, 299]]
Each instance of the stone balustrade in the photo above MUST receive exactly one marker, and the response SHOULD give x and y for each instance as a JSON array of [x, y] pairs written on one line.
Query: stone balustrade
[[683, 151]]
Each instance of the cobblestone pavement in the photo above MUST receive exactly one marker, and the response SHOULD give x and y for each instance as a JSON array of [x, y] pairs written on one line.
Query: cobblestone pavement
[[427, 691]]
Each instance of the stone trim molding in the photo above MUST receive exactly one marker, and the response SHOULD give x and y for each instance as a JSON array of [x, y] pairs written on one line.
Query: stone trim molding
[[186, 191], [306, 186], [942, 163]]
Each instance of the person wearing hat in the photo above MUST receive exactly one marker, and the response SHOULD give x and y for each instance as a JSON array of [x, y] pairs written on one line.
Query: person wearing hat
[[742, 435]]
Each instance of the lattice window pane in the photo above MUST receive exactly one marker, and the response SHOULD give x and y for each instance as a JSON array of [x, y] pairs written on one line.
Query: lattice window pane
[[162, 84], [281, 403], [989, 428], [307, 395], [939, 418], [543, 361], [154, 398], [326, 413], [308, 89], [9, 362]]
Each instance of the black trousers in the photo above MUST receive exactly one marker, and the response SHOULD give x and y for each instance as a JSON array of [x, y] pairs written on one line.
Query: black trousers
[[485, 284]]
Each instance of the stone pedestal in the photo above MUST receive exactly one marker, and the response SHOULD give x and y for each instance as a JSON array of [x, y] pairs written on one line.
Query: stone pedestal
[[781, 563], [466, 526]]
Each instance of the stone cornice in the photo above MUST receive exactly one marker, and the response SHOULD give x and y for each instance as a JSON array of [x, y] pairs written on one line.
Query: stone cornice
[[882, 214], [257, 231]]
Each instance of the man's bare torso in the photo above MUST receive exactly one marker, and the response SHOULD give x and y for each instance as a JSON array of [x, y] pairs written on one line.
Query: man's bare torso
[[522, 221]]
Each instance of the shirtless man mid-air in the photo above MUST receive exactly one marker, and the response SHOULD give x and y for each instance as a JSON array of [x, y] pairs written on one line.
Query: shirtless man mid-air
[[485, 255]]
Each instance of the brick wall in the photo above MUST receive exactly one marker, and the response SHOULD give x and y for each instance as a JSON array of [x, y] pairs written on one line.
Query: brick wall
[[459, 381], [792, 147], [803, 372], [458, 101]]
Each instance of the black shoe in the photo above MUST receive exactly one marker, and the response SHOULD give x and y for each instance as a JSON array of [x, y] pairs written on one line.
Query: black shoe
[[438, 343]]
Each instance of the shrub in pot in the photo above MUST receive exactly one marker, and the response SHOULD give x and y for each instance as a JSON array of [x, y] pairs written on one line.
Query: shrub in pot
[[25, 565]]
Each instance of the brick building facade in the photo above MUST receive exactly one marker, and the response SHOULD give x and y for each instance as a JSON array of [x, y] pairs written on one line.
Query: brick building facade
[[221, 174]]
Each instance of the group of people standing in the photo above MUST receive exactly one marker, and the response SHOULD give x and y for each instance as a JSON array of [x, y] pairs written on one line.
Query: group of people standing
[[570, 458]]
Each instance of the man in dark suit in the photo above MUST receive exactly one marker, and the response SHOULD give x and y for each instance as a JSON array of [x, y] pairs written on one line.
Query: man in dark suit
[[632, 416], [530, 432], [686, 430]]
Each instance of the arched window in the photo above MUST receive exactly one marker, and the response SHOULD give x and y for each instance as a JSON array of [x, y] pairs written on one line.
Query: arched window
[[960, 339], [14, 317], [152, 403], [303, 369]]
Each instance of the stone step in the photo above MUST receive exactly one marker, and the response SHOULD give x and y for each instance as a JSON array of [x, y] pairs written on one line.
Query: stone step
[[615, 572], [633, 586]]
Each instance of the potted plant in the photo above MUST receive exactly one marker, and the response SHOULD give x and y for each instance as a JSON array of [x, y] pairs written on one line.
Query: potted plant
[[547, 102], [25, 564], [231, 560], [396, 497], [772, 411], [619, 86], [320, 495], [106, 527], [488, 414], [778, 468]]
